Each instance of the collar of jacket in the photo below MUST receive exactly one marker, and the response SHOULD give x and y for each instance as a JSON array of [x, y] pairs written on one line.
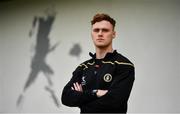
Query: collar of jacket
[[108, 55]]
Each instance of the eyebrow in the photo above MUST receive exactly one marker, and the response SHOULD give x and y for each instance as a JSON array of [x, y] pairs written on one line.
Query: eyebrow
[[102, 29]]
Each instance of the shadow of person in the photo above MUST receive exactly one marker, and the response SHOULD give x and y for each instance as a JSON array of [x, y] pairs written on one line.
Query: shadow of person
[[42, 49]]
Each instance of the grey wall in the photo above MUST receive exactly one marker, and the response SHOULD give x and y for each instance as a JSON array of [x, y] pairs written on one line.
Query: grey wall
[[148, 33]]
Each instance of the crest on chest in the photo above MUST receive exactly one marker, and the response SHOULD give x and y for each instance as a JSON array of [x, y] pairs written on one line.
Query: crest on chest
[[107, 77]]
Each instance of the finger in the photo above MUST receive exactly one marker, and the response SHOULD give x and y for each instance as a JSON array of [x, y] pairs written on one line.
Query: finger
[[81, 87], [101, 92], [75, 87], [105, 92], [78, 87]]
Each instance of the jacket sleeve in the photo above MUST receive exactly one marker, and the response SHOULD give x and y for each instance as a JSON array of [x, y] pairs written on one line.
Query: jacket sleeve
[[74, 98], [117, 94]]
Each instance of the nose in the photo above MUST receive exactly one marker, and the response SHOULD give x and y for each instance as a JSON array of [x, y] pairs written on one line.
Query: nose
[[100, 32]]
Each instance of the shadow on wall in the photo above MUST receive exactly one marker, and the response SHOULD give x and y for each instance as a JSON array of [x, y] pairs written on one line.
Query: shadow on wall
[[75, 50], [42, 49]]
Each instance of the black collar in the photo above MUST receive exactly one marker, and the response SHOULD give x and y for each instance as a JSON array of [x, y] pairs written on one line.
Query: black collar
[[107, 56]]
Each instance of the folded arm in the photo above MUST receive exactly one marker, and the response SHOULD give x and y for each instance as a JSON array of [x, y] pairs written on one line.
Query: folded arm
[[73, 95], [117, 94]]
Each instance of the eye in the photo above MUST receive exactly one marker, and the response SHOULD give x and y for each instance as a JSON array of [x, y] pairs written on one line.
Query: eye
[[105, 30], [96, 30]]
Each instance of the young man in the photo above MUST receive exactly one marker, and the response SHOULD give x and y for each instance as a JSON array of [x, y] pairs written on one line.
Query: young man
[[103, 83]]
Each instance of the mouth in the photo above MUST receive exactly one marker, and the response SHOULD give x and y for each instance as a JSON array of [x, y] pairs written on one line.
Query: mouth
[[100, 39]]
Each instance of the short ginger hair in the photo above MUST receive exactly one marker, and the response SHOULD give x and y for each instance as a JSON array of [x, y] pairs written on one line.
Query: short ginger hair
[[100, 17]]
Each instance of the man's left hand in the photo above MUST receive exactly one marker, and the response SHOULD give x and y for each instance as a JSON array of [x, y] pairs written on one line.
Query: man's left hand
[[77, 87]]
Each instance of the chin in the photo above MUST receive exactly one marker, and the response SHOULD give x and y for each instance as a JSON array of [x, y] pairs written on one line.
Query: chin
[[101, 46]]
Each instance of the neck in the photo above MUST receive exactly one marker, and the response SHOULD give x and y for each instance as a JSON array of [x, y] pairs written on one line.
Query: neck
[[101, 52]]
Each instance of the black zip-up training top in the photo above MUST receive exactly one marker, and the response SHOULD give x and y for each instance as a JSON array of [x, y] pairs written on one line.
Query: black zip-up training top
[[114, 73]]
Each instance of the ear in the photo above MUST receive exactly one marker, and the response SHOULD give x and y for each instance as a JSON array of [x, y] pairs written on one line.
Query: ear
[[114, 34]]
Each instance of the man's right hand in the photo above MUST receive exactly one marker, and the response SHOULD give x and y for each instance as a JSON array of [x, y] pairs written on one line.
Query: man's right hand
[[101, 93]]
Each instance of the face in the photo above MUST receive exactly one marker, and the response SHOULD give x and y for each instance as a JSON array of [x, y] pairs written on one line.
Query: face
[[102, 34]]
